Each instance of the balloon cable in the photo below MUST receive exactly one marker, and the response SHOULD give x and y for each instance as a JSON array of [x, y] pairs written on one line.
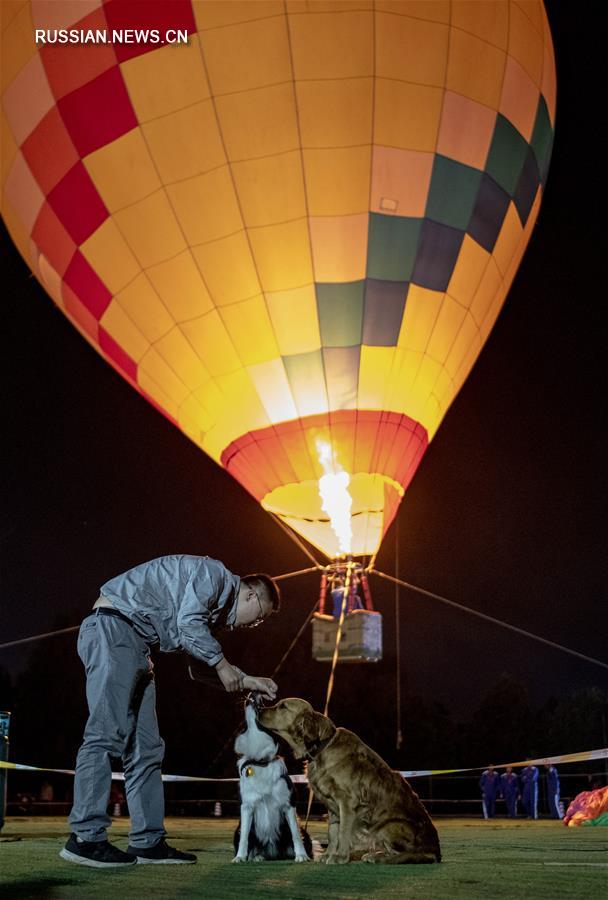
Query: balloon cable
[[330, 683], [295, 539], [293, 574], [480, 615], [334, 661], [38, 637], [372, 562], [295, 640], [399, 734]]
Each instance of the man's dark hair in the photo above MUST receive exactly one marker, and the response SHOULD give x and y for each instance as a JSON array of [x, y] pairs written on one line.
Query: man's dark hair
[[266, 588]]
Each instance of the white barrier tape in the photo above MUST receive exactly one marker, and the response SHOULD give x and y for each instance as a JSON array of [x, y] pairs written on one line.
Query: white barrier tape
[[116, 776], [583, 756], [10, 765], [545, 760]]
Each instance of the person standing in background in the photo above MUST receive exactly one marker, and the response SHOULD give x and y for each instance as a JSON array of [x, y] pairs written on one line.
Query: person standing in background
[[529, 796], [556, 810], [509, 789], [490, 788]]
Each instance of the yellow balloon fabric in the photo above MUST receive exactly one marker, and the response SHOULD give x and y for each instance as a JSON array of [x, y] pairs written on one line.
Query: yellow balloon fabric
[[294, 231]]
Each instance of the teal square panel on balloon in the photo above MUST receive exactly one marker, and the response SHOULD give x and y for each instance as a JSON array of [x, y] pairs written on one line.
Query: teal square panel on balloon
[[452, 192], [507, 155], [340, 309], [391, 247], [542, 138]]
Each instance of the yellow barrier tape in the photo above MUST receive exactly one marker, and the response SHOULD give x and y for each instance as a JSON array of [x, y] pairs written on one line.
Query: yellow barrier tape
[[582, 756]]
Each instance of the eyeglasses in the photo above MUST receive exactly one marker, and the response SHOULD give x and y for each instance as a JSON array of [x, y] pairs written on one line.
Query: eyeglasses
[[260, 618]]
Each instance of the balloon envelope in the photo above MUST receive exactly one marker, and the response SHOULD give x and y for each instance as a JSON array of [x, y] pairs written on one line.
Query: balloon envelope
[[296, 230]]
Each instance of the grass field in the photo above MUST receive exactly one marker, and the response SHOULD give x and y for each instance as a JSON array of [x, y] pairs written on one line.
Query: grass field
[[497, 859]]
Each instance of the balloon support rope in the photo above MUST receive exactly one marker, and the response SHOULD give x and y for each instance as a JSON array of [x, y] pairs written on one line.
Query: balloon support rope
[[486, 618], [296, 540]]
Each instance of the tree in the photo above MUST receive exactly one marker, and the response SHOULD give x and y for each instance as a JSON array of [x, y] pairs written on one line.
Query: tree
[[575, 722], [502, 729]]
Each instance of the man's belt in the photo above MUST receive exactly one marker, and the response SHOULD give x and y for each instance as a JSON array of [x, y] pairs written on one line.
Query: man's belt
[[105, 611]]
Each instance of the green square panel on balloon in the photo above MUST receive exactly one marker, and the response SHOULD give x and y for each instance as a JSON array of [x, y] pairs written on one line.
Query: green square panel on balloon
[[391, 247], [507, 155], [340, 309], [542, 138], [452, 193]]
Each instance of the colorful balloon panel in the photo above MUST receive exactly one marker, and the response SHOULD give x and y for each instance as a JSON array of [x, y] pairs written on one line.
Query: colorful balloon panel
[[588, 808], [299, 227]]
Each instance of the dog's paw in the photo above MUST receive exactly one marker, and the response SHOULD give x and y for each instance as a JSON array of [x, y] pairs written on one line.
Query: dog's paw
[[373, 856], [334, 859], [239, 859], [301, 858]]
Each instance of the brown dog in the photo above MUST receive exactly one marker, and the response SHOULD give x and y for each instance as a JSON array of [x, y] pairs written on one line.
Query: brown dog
[[374, 814]]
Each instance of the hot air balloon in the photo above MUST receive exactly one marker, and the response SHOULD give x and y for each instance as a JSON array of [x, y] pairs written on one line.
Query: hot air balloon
[[291, 234]]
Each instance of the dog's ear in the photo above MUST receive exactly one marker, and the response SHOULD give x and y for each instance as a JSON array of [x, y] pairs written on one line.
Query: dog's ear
[[325, 727], [312, 726], [303, 728]]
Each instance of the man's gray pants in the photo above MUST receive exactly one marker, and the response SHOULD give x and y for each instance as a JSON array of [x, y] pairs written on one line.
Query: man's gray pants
[[122, 723]]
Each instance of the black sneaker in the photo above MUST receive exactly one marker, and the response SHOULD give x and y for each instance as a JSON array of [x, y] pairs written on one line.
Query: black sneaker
[[161, 854], [97, 854]]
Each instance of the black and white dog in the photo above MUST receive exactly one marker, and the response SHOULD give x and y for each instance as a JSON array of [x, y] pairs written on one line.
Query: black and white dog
[[269, 827]]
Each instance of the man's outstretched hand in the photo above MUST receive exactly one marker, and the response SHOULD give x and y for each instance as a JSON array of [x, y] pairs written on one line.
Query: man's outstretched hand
[[235, 680], [266, 686], [231, 677]]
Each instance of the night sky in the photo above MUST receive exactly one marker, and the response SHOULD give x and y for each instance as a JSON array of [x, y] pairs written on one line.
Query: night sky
[[506, 513]]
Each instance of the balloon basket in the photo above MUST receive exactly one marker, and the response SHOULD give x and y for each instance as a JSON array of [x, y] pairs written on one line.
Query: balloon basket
[[361, 639]]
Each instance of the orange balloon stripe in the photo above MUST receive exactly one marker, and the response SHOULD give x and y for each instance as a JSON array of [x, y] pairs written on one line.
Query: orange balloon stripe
[[252, 459]]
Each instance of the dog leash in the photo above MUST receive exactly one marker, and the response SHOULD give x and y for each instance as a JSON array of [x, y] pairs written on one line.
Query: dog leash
[[330, 683], [317, 747]]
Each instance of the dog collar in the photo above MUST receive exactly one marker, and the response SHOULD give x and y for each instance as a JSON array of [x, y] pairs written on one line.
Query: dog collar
[[248, 763], [313, 750]]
